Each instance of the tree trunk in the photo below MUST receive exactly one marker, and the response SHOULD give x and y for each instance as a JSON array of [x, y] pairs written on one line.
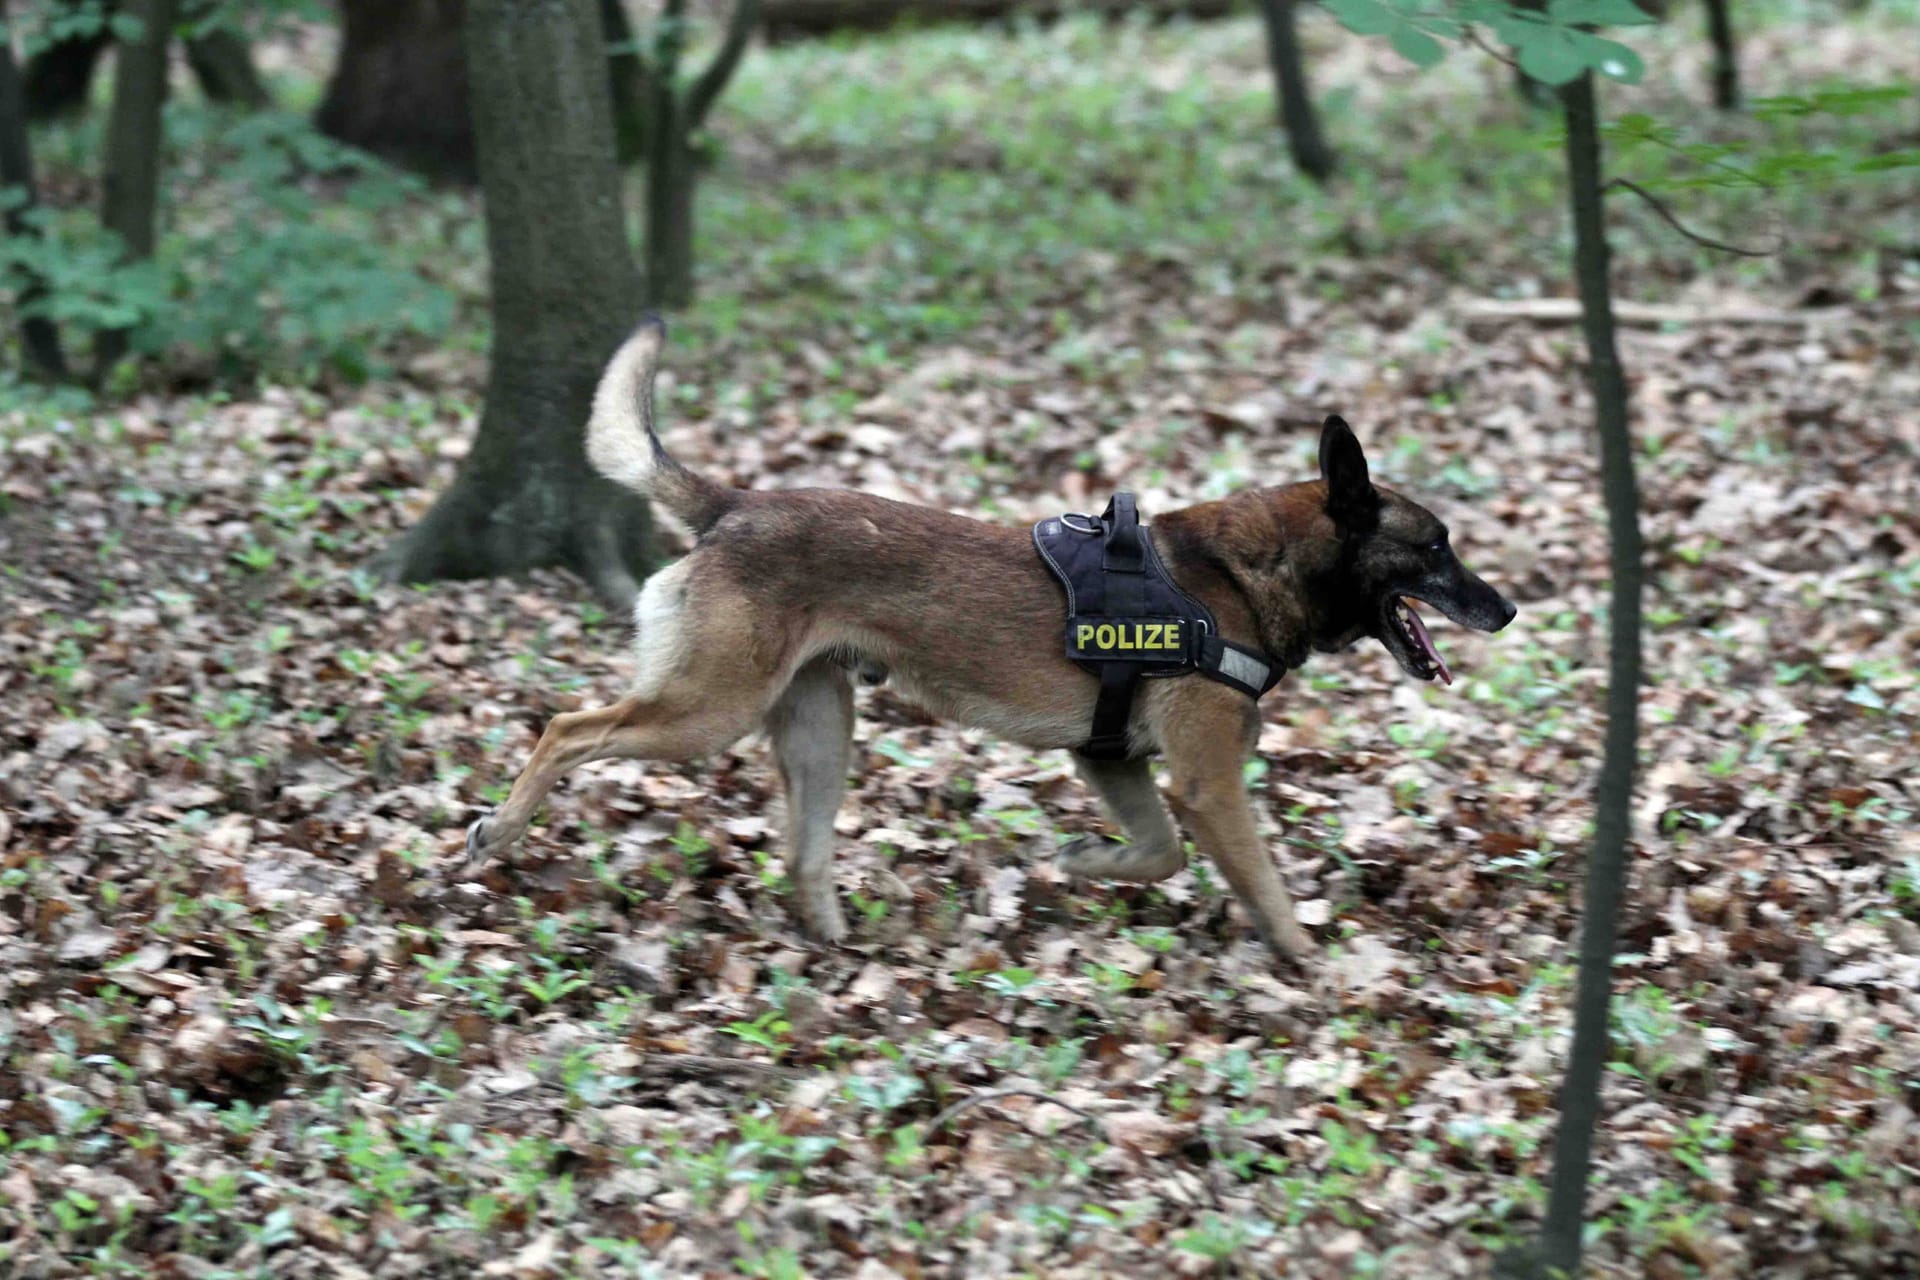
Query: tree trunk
[[223, 66], [59, 76], [39, 337], [399, 86], [564, 295], [1606, 860], [1297, 115], [672, 177], [627, 75], [790, 19], [1726, 61], [130, 184]]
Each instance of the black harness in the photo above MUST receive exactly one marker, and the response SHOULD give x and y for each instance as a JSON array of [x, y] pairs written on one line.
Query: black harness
[[1127, 621]]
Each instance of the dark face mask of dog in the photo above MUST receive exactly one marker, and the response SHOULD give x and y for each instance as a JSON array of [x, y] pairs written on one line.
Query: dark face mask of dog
[[1394, 552]]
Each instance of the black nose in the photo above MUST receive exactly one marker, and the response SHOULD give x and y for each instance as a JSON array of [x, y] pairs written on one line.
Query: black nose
[[1508, 611]]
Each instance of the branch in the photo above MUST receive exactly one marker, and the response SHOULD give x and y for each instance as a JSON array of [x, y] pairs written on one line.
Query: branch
[[706, 90], [974, 1100], [1474, 37], [1666, 215], [1637, 314]]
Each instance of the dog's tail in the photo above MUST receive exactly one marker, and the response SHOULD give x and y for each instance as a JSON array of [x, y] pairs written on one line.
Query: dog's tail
[[623, 446]]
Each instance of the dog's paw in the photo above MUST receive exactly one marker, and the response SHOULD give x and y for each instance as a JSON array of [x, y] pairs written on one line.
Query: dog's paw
[[1290, 942], [831, 934], [1089, 856], [485, 838], [1098, 858], [826, 927]]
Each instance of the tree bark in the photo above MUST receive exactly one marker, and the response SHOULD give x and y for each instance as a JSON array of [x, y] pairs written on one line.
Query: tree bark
[[59, 76], [130, 184], [223, 66], [564, 295], [672, 175], [1726, 60], [675, 116], [792, 19], [1297, 114], [399, 86], [39, 336], [626, 73], [1560, 1237]]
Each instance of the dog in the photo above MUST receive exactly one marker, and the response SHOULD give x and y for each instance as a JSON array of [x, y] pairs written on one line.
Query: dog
[[788, 597]]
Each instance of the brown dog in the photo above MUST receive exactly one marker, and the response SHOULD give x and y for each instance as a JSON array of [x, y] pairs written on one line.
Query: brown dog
[[785, 594]]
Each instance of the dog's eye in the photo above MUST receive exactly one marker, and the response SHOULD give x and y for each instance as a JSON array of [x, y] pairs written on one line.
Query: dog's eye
[[1438, 545]]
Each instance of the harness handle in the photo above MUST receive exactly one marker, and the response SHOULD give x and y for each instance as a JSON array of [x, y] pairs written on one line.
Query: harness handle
[[1122, 518]]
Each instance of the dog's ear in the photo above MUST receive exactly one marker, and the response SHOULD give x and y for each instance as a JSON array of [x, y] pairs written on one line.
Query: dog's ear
[[1351, 498]]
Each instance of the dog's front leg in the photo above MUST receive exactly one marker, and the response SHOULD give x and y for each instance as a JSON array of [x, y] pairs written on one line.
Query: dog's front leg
[[1152, 851], [1210, 794]]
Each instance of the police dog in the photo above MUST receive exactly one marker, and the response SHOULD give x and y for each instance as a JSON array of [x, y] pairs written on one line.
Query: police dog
[[787, 597]]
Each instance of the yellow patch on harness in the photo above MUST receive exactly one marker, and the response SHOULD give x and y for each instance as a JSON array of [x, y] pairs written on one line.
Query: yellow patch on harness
[[1138, 637]]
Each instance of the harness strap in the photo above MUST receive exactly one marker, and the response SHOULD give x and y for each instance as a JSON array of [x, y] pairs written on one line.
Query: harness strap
[[1123, 563], [1129, 621], [1112, 712]]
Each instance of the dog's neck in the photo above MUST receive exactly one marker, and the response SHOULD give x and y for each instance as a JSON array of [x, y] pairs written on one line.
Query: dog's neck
[[1250, 558]]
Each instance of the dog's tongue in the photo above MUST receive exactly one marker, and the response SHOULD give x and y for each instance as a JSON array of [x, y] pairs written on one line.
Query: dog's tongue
[[1425, 642]]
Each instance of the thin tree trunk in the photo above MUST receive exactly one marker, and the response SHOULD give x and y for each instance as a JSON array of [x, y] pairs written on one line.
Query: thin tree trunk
[[1297, 114], [674, 119], [672, 177], [564, 295], [130, 185], [626, 72], [39, 337], [670, 174], [1606, 860], [223, 66], [1726, 60]]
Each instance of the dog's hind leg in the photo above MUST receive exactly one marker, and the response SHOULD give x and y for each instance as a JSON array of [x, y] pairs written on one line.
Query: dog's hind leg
[[635, 728], [812, 731], [1152, 851]]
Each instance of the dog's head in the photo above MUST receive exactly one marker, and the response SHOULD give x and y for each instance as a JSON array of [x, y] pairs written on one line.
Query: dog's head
[[1391, 550]]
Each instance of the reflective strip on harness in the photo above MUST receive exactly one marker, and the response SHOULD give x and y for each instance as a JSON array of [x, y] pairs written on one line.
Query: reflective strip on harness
[[1243, 667]]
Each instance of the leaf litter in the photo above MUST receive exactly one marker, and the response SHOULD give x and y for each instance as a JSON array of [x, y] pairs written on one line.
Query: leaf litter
[[254, 1019]]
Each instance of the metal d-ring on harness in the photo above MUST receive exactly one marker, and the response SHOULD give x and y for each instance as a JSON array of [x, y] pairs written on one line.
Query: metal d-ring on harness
[[1128, 622]]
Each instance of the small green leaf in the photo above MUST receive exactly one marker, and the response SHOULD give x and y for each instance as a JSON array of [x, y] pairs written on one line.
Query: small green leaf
[[1610, 58], [1891, 160], [1415, 45], [1550, 55], [1598, 13], [1364, 17]]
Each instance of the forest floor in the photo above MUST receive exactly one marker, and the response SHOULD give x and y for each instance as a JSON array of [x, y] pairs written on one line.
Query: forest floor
[[253, 1024]]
